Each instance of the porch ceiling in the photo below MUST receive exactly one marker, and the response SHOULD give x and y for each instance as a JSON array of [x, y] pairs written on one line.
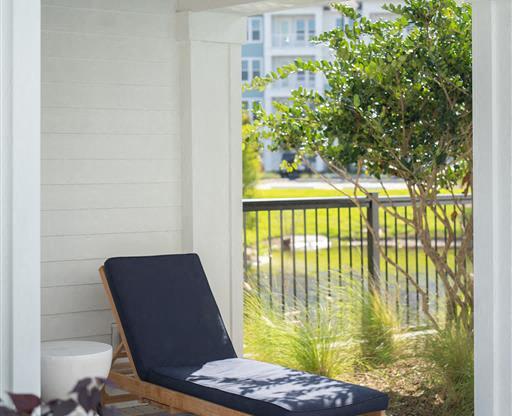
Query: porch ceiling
[[243, 7]]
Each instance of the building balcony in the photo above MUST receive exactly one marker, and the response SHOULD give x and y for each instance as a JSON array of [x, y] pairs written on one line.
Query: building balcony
[[290, 41]]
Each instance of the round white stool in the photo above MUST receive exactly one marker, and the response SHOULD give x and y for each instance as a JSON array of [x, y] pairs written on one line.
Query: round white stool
[[64, 363]]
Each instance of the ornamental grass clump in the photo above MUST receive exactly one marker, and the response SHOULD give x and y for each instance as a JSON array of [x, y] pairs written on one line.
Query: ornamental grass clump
[[380, 344], [349, 329], [451, 353]]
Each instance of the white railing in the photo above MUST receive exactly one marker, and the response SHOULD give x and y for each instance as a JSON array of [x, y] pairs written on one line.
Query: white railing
[[289, 40], [304, 79]]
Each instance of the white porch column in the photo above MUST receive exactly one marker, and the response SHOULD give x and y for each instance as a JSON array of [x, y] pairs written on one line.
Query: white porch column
[[493, 206], [210, 78], [20, 312]]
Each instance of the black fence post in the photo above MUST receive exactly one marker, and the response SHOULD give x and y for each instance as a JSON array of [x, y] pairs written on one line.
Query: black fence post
[[373, 241]]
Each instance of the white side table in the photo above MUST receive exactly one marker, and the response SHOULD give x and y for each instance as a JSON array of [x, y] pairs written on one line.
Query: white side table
[[64, 363]]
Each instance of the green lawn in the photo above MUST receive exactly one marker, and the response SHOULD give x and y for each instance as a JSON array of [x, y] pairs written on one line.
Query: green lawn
[[308, 193], [322, 267], [345, 223]]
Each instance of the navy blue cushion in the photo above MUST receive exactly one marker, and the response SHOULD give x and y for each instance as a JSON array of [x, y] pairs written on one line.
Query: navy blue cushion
[[263, 389], [167, 310]]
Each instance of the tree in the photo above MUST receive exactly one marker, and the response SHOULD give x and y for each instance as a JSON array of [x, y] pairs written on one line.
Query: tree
[[251, 163], [398, 103]]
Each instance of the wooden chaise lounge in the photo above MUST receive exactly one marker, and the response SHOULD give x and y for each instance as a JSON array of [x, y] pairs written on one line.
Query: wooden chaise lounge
[[176, 353]]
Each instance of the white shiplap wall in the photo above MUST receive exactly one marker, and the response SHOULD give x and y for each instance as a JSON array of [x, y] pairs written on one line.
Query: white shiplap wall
[[110, 150]]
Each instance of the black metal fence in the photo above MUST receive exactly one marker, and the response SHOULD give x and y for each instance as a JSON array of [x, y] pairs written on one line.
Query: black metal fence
[[297, 249]]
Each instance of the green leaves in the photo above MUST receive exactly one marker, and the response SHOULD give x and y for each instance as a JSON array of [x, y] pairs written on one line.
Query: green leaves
[[398, 97], [357, 100]]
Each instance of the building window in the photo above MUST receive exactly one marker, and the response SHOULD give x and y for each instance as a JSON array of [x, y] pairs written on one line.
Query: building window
[[281, 32], [293, 31], [251, 105], [300, 30], [255, 29], [311, 28], [245, 70], [304, 79], [343, 22], [256, 68], [251, 68]]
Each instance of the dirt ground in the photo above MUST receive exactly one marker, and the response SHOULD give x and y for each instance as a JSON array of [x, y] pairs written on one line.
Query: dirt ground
[[411, 391]]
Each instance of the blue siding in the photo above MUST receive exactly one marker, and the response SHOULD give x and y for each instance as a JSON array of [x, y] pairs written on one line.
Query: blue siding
[[252, 50], [253, 94]]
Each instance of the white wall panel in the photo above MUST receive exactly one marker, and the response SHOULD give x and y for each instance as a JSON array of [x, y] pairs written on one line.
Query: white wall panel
[[76, 325], [90, 71], [109, 171], [211, 129], [67, 299], [20, 47], [117, 22], [129, 146], [146, 6], [144, 97], [98, 46], [108, 221], [111, 156], [110, 195], [70, 272], [78, 120], [492, 80], [83, 247]]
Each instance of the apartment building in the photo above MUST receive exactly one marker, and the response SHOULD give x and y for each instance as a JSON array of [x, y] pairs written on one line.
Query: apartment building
[[253, 60], [278, 38]]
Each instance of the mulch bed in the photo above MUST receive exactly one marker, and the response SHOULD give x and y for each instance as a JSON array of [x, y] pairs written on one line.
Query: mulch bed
[[411, 390]]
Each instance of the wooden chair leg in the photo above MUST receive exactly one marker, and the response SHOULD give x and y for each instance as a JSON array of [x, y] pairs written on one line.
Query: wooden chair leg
[[174, 411], [381, 413]]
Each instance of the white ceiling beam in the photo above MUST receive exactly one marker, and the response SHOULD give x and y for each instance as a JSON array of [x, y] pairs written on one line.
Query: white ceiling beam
[[243, 7]]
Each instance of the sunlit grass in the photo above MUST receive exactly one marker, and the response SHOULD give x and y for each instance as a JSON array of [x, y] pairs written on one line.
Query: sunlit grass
[[346, 330], [343, 223], [307, 273], [451, 353], [354, 331], [319, 193]]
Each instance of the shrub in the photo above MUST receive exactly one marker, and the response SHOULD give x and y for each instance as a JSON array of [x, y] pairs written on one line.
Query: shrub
[[85, 398], [267, 337], [346, 330], [297, 340], [251, 163], [451, 352], [379, 345], [319, 345]]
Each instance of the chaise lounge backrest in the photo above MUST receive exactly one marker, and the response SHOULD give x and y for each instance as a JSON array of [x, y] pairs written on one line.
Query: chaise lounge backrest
[[167, 311]]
